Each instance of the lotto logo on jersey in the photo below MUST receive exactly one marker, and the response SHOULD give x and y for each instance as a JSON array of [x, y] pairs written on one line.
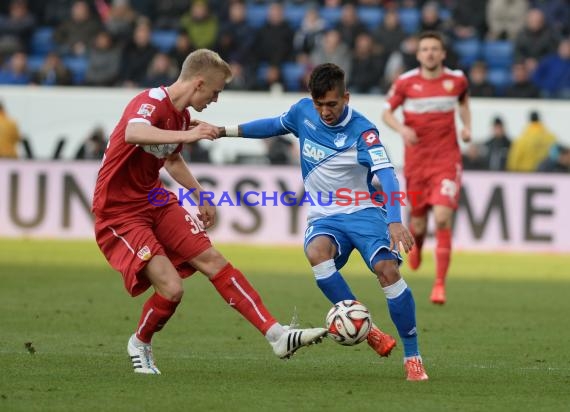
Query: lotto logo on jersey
[[314, 152], [146, 109], [371, 138]]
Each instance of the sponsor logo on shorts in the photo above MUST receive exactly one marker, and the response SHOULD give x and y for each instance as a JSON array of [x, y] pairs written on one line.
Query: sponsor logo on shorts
[[144, 253]]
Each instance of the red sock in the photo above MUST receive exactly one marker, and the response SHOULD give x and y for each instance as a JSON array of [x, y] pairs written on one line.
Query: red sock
[[442, 254], [156, 312], [238, 293]]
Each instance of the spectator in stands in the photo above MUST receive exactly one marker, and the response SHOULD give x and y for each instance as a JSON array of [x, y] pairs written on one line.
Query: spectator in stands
[[161, 72], [521, 86], [56, 11], [469, 19], [479, 86], [182, 48], [93, 148], [9, 135], [270, 79], [367, 66], [52, 72], [557, 14], [280, 151], [430, 19], [138, 54], [15, 71], [74, 36], [349, 25], [505, 18], [166, 14], [531, 147], [119, 21], [400, 61], [558, 160], [332, 50], [103, 61], [274, 40], [16, 28], [390, 34], [236, 38], [535, 40], [473, 158], [201, 25], [552, 76], [309, 34], [497, 147]]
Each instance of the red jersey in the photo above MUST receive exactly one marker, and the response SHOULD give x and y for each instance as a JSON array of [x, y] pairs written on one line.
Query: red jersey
[[128, 171], [429, 108]]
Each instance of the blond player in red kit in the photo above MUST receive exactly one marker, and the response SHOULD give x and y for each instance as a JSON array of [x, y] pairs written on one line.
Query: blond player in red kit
[[157, 243], [429, 96]]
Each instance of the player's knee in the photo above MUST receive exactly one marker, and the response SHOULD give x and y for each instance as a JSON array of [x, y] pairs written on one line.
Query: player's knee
[[172, 291], [387, 272]]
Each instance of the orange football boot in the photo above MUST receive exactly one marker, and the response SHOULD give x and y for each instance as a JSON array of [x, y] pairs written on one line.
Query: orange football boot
[[381, 342], [415, 370]]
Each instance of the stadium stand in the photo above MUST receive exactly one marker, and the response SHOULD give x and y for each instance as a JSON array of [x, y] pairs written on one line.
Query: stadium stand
[[163, 40]]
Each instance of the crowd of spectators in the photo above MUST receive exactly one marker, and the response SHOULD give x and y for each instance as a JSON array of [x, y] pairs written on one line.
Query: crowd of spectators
[[513, 48]]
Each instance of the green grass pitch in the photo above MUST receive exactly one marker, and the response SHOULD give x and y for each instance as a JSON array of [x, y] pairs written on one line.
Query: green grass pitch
[[502, 343]]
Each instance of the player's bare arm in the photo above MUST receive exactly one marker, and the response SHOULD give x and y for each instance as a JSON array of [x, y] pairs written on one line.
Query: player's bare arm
[[178, 169], [142, 133], [465, 116], [407, 133]]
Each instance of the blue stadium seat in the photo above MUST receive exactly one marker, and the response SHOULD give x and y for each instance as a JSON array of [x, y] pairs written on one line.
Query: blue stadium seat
[[292, 74], [331, 15], [409, 20], [469, 51], [42, 41], [256, 15], [372, 17], [498, 54], [35, 61], [78, 67], [500, 78], [164, 40], [294, 15]]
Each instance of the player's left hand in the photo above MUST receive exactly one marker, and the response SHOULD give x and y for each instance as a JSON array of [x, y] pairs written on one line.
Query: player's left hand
[[207, 215], [466, 134], [400, 237]]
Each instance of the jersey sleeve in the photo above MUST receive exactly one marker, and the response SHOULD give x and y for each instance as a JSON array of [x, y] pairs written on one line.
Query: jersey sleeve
[[371, 152], [396, 95], [148, 109], [290, 119]]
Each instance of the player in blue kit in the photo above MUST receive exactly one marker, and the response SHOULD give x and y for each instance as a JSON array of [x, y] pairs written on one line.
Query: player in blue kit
[[340, 153]]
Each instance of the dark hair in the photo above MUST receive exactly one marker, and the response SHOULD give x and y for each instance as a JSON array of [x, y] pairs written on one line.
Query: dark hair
[[534, 116], [324, 78], [433, 35]]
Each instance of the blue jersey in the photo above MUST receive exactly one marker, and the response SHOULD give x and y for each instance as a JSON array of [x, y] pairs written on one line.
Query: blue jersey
[[337, 162]]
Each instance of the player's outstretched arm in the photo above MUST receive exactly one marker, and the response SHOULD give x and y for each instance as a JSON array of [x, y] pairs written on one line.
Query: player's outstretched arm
[[143, 133], [257, 129]]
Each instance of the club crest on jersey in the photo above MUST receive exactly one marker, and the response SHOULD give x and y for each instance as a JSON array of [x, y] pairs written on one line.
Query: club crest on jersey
[[146, 109], [144, 253], [371, 138], [340, 139], [448, 85], [314, 152]]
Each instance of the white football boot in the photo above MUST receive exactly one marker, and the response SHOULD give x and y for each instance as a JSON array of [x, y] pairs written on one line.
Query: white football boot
[[141, 357], [293, 339]]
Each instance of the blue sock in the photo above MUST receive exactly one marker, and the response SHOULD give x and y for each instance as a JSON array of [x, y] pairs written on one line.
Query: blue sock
[[402, 310], [335, 288]]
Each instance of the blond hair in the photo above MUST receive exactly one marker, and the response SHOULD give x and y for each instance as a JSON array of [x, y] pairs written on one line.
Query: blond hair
[[204, 61]]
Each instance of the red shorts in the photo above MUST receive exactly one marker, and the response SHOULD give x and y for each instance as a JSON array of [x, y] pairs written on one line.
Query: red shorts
[[129, 240], [428, 187]]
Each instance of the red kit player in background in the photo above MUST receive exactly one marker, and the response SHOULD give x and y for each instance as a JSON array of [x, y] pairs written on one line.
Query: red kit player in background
[[159, 245], [432, 162]]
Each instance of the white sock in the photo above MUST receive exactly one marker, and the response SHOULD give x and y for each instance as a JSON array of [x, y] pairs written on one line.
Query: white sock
[[274, 333], [137, 342]]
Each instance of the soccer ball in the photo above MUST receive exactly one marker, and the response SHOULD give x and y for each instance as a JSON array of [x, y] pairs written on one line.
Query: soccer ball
[[348, 322]]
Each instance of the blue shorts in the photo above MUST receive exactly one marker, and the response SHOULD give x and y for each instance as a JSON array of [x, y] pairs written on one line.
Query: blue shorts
[[365, 230]]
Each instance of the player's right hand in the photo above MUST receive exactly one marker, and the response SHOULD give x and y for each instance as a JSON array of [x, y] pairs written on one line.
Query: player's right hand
[[201, 130], [409, 135]]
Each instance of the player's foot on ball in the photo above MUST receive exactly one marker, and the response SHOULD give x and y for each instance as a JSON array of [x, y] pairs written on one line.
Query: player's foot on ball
[[141, 357], [438, 295], [415, 258], [415, 370], [294, 339], [381, 342]]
